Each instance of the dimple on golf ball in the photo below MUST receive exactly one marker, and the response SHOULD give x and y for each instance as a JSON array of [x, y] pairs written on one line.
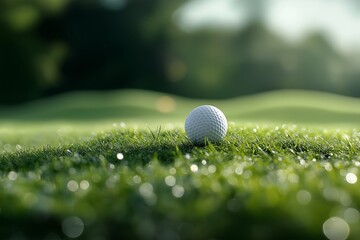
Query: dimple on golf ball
[[206, 124]]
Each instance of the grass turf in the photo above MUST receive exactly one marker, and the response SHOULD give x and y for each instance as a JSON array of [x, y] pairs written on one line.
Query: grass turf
[[102, 181]]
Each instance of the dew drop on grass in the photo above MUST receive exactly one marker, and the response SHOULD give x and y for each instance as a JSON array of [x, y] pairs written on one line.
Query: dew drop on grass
[[203, 162], [336, 228], [73, 227], [187, 156], [111, 166]]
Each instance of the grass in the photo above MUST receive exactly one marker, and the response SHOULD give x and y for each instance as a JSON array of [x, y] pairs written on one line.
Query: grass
[[138, 177]]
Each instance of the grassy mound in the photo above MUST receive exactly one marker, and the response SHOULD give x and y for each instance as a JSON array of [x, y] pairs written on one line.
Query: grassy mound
[[144, 106], [112, 176]]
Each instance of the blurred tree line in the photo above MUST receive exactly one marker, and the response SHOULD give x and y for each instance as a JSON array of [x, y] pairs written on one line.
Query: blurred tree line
[[53, 46]]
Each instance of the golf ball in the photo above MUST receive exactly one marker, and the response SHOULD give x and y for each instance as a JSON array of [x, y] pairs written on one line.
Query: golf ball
[[206, 123]]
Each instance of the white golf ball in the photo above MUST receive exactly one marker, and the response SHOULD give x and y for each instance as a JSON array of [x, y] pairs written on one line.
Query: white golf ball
[[206, 123]]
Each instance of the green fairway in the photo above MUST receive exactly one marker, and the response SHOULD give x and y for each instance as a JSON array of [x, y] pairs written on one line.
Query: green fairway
[[117, 164]]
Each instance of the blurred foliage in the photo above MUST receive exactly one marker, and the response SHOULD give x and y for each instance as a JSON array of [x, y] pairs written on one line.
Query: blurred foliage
[[53, 46]]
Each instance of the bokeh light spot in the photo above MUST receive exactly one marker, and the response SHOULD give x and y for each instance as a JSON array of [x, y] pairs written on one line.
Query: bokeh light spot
[[351, 178], [303, 197], [165, 104], [73, 227], [178, 191], [336, 228], [73, 186], [120, 156], [170, 181]]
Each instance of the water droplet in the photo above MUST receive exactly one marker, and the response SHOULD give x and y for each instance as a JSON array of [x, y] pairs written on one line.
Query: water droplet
[[194, 168], [203, 162], [177, 191], [303, 197], [170, 180], [120, 156], [12, 176], [336, 228], [73, 227], [111, 166], [187, 156], [73, 186]]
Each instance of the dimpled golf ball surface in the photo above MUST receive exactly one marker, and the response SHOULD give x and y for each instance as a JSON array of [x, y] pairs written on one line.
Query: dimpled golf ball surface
[[206, 123]]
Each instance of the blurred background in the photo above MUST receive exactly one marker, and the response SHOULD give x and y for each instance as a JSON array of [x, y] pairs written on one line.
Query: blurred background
[[194, 48]]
